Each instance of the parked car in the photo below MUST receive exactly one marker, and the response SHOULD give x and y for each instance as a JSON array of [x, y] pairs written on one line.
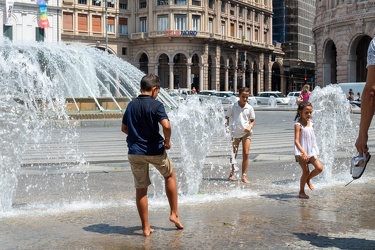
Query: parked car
[[264, 97], [252, 100], [294, 94], [226, 97], [206, 94], [184, 92]]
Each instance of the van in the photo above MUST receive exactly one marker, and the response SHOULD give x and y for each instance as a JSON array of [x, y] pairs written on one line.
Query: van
[[357, 87]]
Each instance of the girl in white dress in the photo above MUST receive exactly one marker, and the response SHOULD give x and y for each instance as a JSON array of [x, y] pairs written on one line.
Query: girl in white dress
[[305, 147]]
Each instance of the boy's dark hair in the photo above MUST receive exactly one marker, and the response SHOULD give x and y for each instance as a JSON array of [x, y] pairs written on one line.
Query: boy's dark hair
[[243, 89], [149, 81], [301, 106]]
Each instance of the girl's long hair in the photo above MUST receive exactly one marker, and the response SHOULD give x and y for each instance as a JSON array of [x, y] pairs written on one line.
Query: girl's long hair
[[301, 107]]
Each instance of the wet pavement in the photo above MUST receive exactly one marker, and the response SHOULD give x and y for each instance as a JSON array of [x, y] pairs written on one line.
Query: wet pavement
[[92, 206]]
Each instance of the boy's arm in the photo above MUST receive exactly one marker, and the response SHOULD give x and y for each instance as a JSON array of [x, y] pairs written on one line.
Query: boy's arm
[[167, 131], [124, 128]]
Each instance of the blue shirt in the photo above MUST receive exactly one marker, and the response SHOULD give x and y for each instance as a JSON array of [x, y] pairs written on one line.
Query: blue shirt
[[142, 117]]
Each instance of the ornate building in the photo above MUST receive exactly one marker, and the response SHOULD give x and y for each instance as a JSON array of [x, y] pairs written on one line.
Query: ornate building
[[343, 31], [211, 44], [21, 21]]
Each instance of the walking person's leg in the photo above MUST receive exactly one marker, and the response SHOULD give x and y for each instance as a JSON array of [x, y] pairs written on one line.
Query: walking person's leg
[[318, 168], [171, 191], [303, 180], [142, 206], [245, 158], [235, 144]]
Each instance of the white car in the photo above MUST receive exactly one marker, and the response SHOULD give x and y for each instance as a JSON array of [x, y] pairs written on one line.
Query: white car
[[294, 94], [264, 97], [226, 97]]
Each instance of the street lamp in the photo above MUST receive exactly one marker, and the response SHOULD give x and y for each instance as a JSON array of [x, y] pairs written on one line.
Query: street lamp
[[106, 20]]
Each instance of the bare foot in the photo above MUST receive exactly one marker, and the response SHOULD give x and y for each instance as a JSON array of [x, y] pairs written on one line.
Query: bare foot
[[176, 222], [148, 232], [231, 176], [303, 196], [310, 185], [245, 180]]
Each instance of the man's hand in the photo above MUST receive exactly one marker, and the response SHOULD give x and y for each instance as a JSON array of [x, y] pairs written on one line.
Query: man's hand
[[167, 144]]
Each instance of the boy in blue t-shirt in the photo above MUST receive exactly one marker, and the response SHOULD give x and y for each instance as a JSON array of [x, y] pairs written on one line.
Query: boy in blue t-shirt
[[146, 146]]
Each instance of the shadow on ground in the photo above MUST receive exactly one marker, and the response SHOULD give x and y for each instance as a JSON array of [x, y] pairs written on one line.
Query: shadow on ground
[[341, 243]]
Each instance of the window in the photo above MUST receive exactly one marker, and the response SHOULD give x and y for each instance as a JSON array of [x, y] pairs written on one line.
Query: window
[[163, 2], [123, 4], [143, 24], [256, 17], [142, 4], [8, 32], [82, 22], [180, 2], [210, 25], [67, 21], [96, 3], [223, 4], [211, 4], [124, 51], [223, 28], [196, 22], [196, 2], [96, 23], [39, 34], [111, 24], [232, 29], [123, 26], [179, 22], [82, 1], [240, 13], [240, 32], [163, 23]]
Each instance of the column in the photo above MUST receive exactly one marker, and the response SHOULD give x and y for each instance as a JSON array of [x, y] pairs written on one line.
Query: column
[[226, 77], [201, 76], [188, 72], [171, 76]]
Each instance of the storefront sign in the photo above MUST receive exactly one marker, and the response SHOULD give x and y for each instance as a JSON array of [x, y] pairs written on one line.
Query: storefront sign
[[180, 32]]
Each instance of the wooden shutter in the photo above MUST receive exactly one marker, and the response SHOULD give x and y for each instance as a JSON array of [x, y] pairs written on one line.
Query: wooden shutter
[[96, 23], [82, 22], [111, 21], [123, 21], [68, 21]]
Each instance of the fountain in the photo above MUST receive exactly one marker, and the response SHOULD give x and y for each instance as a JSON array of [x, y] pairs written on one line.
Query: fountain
[[332, 125], [41, 85], [272, 102]]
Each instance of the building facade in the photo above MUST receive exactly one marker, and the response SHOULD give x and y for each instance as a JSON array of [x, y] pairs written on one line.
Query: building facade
[[211, 44], [20, 20], [293, 24], [343, 31]]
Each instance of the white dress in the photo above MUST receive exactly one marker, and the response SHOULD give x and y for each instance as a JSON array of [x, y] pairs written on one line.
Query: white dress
[[307, 140], [371, 53]]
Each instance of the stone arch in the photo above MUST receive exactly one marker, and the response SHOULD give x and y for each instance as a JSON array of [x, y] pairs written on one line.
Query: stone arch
[[196, 61], [163, 60], [180, 61], [329, 62], [357, 55]]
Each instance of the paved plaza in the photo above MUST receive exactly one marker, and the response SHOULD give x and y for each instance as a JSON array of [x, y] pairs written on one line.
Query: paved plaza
[[92, 206]]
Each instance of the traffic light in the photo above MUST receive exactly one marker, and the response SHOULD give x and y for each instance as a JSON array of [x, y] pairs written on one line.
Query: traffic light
[[305, 80]]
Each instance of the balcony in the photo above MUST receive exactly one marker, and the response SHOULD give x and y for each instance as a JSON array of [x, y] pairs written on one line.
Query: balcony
[[140, 35]]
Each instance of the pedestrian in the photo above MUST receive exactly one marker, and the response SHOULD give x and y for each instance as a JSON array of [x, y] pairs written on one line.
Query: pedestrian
[[240, 118], [305, 94], [367, 109], [305, 147], [146, 146]]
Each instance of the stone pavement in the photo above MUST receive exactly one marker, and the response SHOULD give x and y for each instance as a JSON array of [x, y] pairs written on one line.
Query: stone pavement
[[92, 206]]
